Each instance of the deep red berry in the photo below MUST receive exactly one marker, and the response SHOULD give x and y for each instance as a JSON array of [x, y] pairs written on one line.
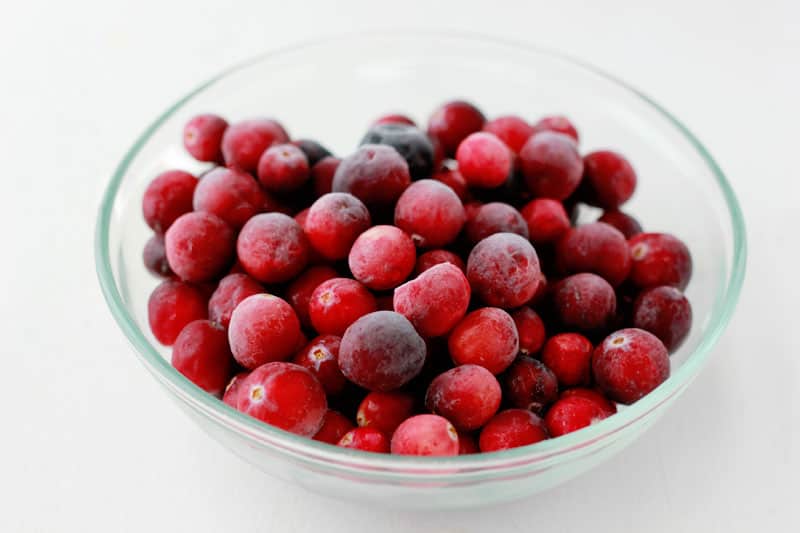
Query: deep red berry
[[495, 217], [430, 212], [337, 303], [231, 194], [453, 122], [511, 428], [503, 270], [471, 209], [166, 198], [200, 246], [486, 337], [382, 257], [597, 248], [313, 150], [429, 435], [154, 257], [453, 179], [467, 445], [584, 301], [394, 118], [283, 168], [321, 357], [232, 289], [468, 396], [334, 427], [625, 223], [410, 142], [529, 384], [512, 130], [432, 258], [659, 259], [572, 413], [434, 301], [232, 389], [666, 313], [334, 222], [272, 247], [202, 137], [569, 356], [263, 328], [547, 220], [531, 330], [484, 160], [606, 406], [376, 174], [201, 354], [609, 178], [298, 294], [171, 306], [322, 174], [245, 141], [551, 165], [366, 440], [385, 411], [557, 124]]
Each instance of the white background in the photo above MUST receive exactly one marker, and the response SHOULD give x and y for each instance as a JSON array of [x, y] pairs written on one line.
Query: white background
[[89, 442]]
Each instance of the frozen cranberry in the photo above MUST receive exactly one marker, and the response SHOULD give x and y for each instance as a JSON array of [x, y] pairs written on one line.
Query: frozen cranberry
[[468, 396], [512, 130], [200, 246], [232, 389], [232, 195], [530, 329], [659, 259], [166, 198], [298, 294], [154, 256], [313, 150], [366, 440], [376, 174], [283, 168], [430, 212], [337, 303], [284, 395], [382, 257], [429, 435], [435, 300], [467, 444], [597, 248], [201, 354], [630, 363], [381, 351], [202, 137], [453, 122], [245, 141], [385, 411], [394, 118], [484, 160], [551, 165], [486, 337], [334, 427], [321, 357], [232, 289], [666, 313], [471, 209], [432, 258], [263, 328], [322, 175], [511, 428], [503, 270], [409, 141], [606, 406], [610, 180], [572, 413], [453, 179], [585, 301], [557, 124], [272, 247], [529, 384], [625, 223], [547, 220], [171, 306], [569, 356], [333, 223], [495, 217]]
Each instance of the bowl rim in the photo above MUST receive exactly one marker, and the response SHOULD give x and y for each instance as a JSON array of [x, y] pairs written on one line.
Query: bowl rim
[[301, 447]]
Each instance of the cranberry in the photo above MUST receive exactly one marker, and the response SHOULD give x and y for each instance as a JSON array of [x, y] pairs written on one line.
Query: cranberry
[[495, 217], [200, 246], [334, 426], [432, 258], [202, 137], [171, 306], [551, 165], [337, 303], [284, 395], [322, 175], [272, 247], [409, 141], [154, 256], [530, 329], [434, 301], [547, 220], [333, 223], [166, 198], [385, 411], [659, 259], [263, 328], [232, 195], [609, 178], [569, 356], [606, 406], [382, 257], [512, 130], [557, 124], [298, 294], [376, 174], [231, 395], [597, 248], [313, 150], [484, 160], [232, 289], [201, 354], [453, 122], [572, 413], [381, 351], [486, 337], [529, 384], [666, 313], [467, 444], [366, 440], [429, 435], [625, 223], [630, 363], [585, 301], [430, 212], [245, 141], [321, 358], [394, 119], [511, 428], [468, 396], [503, 270], [283, 168], [471, 209], [453, 179]]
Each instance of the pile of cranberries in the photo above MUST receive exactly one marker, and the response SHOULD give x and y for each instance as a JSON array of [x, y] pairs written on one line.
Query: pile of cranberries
[[428, 294]]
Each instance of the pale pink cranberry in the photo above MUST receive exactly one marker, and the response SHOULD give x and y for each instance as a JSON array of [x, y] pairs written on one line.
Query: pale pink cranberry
[[382, 257], [263, 328], [283, 168], [484, 160], [232, 195], [272, 247], [428, 435], [435, 301], [430, 212], [200, 246]]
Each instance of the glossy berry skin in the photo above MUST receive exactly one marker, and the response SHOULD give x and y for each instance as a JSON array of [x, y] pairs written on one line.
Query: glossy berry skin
[[597, 248], [409, 141], [172, 305], [512, 130], [202, 137], [547, 220], [551, 165], [630, 363], [381, 351], [322, 175], [495, 217], [659, 259], [666, 313], [375, 174], [503, 270], [426, 435], [430, 212], [313, 150], [272, 247], [334, 427], [467, 445], [484, 160], [610, 180], [298, 294], [468, 396], [569, 356], [486, 337], [334, 222], [232, 195], [572, 413], [337, 303], [232, 389], [585, 301], [625, 223], [453, 122], [394, 118], [154, 257], [382, 257], [230, 292], [511, 428], [283, 168], [606, 406], [284, 395], [166, 198], [531, 330], [321, 358], [200, 246], [453, 179], [530, 384], [385, 411], [263, 328], [432, 258], [245, 141], [557, 124], [202, 355], [366, 440], [434, 301]]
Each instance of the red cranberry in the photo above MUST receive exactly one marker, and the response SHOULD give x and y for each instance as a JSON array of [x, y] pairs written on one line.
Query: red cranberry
[[503, 270], [337, 303], [468, 396], [284, 395], [659, 259], [430, 212], [313, 150], [376, 174], [529, 384], [231, 395], [572, 413], [453, 179], [585, 301], [429, 435], [609, 178], [321, 358], [551, 165], [597, 248], [511, 428], [366, 440], [666, 313], [453, 122], [547, 220], [630, 363], [334, 426], [382, 257], [171, 306], [272, 247], [322, 174], [232, 195], [436, 257], [202, 137], [471, 209], [333, 223], [569, 356], [606, 406], [410, 142], [154, 256], [435, 301], [167, 197], [626, 224], [557, 124], [495, 217], [467, 444], [283, 168], [512, 130], [298, 294], [381, 351], [484, 160], [486, 337], [232, 289], [201, 354], [200, 246], [394, 118], [531, 330], [385, 411], [245, 141], [263, 328]]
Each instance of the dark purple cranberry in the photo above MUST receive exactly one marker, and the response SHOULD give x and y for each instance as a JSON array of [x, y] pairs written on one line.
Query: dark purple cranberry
[[409, 141], [313, 150]]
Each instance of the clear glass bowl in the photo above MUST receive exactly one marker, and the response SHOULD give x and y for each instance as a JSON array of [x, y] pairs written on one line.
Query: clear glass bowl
[[330, 90]]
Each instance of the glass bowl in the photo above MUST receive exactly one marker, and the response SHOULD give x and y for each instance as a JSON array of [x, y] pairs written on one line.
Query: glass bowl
[[330, 90]]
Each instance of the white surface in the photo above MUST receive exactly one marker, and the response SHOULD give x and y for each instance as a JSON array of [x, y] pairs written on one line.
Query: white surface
[[89, 443]]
